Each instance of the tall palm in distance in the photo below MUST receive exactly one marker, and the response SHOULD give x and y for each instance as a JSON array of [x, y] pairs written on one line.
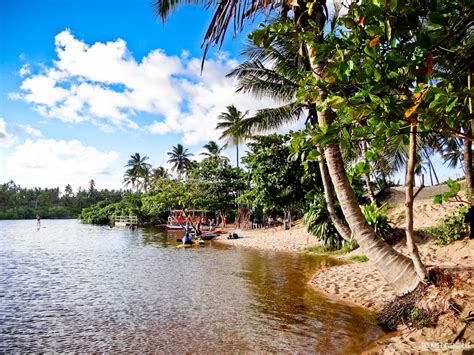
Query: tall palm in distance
[[214, 152], [137, 169], [159, 173], [230, 122], [179, 157]]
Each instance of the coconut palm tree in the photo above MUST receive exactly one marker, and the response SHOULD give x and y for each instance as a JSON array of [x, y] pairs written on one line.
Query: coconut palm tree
[[230, 122], [138, 168], [179, 157], [159, 173], [214, 152], [274, 71], [397, 269]]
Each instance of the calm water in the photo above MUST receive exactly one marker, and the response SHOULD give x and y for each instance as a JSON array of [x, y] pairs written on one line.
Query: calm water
[[73, 287]]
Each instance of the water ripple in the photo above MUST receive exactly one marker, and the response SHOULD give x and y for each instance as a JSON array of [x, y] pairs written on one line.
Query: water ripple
[[77, 288]]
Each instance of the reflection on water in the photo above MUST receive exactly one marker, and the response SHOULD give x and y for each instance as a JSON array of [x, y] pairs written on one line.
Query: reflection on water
[[73, 287]]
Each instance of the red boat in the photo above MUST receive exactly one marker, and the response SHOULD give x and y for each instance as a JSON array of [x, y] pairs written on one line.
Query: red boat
[[177, 219]]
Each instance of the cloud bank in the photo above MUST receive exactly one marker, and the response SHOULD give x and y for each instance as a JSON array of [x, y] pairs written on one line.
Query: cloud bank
[[104, 85], [49, 162]]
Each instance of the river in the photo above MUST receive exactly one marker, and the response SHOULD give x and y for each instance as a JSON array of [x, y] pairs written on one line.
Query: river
[[69, 287]]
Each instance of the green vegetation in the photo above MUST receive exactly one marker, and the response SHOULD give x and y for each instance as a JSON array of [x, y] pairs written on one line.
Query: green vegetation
[[377, 219], [359, 258], [451, 228], [211, 185], [17, 202], [327, 250]]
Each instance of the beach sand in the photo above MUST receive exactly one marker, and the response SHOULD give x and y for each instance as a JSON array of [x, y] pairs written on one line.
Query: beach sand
[[361, 283], [276, 238]]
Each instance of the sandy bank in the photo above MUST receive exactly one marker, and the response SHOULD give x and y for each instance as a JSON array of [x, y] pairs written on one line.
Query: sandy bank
[[277, 239], [361, 283]]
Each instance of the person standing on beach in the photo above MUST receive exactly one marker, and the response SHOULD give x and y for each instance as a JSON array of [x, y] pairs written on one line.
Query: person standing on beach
[[38, 221], [224, 221]]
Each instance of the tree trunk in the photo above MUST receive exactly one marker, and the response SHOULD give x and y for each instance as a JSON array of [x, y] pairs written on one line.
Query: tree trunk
[[341, 228], [368, 184], [237, 148], [468, 147], [468, 165], [396, 268], [409, 198]]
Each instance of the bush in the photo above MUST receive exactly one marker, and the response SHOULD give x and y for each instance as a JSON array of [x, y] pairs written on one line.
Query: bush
[[377, 219], [451, 228], [318, 223]]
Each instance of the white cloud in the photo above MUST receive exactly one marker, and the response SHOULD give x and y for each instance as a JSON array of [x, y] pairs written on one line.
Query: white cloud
[[103, 84], [25, 70], [48, 162], [6, 139], [33, 132]]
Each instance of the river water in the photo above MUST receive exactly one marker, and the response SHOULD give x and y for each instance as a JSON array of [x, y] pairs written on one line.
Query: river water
[[71, 287]]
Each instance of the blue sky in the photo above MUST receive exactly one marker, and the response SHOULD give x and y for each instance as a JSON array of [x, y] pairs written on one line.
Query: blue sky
[[85, 84]]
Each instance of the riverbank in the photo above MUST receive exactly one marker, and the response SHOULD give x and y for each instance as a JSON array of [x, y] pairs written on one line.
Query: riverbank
[[361, 284], [276, 238]]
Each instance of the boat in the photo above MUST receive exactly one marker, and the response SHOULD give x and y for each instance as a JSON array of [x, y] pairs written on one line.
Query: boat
[[177, 219]]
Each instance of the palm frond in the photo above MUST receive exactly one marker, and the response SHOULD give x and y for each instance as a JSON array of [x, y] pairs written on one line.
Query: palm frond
[[269, 119]]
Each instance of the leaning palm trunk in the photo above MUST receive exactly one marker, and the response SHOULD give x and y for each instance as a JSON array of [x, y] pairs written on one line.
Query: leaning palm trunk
[[396, 268], [409, 199], [341, 228]]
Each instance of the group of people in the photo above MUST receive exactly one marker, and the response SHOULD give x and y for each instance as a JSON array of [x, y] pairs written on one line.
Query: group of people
[[267, 223], [198, 228]]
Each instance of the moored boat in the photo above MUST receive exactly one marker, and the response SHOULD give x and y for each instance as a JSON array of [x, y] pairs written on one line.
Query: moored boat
[[177, 219]]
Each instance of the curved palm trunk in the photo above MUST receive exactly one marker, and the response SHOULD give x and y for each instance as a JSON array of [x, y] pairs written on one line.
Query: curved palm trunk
[[409, 198], [341, 228], [396, 268]]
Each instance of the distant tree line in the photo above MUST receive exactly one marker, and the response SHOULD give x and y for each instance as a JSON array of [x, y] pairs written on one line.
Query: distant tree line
[[18, 202]]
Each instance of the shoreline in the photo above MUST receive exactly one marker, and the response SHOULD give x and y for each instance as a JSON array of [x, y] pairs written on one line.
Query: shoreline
[[343, 283]]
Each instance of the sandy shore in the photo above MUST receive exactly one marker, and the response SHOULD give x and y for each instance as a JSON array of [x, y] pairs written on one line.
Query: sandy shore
[[277, 239], [361, 283]]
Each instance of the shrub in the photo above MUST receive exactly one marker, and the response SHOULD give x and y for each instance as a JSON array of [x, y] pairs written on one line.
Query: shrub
[[318, 223], [377, 219], [451, 228]]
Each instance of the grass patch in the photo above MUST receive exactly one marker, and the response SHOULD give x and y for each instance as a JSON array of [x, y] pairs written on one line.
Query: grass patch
[[324, 249], [359, 258]]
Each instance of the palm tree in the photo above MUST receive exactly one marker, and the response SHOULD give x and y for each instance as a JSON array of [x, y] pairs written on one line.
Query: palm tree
[[179, 157], [231, 124], [214, 152], [159, 173], [138, 168], [397, 269]]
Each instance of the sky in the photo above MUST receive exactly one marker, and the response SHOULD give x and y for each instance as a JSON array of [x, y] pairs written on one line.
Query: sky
[[85, 84]]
